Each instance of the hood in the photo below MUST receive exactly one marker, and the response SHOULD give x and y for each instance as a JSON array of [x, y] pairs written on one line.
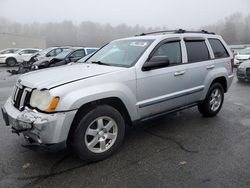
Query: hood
[[53, 77], [242, 57], [43, 60]]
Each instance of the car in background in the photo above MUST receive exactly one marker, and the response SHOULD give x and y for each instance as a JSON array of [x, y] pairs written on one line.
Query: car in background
[[9, 50], [48, 52], [243, 71], [68, 55], [242, 56], [11, 59]]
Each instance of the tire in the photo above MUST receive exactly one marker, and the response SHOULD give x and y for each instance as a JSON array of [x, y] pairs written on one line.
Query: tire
[[98, 134], [216, 94], [11, 62]]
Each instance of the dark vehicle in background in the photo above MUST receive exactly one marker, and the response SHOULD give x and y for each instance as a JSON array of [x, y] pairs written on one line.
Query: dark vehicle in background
[[68, 55], [243, 71]]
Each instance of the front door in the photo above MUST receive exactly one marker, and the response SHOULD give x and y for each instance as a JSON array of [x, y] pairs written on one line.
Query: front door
[[162, 89]]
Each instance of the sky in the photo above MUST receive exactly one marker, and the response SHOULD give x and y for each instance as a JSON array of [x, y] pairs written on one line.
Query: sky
[[148, 13]]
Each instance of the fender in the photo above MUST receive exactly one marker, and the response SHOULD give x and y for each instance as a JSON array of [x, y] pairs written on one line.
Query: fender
[[76, 94], [212, 75]]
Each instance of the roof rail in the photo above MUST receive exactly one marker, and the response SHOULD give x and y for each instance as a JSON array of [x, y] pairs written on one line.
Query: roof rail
[[176, 32]]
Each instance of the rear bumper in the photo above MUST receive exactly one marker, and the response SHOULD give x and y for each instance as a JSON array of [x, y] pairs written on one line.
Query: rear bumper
[[40, 127]]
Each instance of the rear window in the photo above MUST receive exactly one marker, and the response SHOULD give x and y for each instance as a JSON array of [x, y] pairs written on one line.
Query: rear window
[[218, 48], [197, 51]]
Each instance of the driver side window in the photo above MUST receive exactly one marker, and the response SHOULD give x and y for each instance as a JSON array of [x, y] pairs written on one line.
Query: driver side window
[[172, 50]]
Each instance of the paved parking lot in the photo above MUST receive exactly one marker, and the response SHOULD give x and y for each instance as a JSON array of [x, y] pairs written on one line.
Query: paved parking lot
[[182, 150]]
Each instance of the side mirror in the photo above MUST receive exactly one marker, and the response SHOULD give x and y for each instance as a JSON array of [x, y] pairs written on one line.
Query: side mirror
[[155, 63]]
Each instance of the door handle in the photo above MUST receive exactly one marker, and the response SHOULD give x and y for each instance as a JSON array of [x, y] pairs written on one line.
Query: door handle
[[179, 73], [210, 67]]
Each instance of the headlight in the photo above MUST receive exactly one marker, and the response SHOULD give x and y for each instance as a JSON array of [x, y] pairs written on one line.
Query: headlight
[[34, 67], [43, 100], [241, 67]]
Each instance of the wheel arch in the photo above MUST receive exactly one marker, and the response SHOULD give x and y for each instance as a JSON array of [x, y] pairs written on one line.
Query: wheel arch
[[10, 58], [85, 108], [223, 81]]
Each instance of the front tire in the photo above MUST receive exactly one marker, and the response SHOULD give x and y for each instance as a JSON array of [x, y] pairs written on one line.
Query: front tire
[[98, 134], [11, 62], [213, 101]]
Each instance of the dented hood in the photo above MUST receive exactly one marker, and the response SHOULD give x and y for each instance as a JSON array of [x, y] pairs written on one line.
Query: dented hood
[[54, 77]]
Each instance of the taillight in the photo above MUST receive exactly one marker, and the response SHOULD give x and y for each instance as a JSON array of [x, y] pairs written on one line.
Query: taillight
[[232, 64]]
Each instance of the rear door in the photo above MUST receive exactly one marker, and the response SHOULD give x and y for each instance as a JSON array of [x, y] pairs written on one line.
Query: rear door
[[199, 65]]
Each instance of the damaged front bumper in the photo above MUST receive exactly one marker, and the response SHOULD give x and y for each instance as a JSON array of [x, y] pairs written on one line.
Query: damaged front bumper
[[40, 128]]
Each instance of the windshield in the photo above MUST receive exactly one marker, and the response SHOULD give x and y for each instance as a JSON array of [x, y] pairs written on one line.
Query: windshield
[[64, 53], [245, 51], [122, 53]]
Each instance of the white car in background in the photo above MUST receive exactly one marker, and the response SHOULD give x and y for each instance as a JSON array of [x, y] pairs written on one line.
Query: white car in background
[[11, 59], [243, 55], [9, 50]]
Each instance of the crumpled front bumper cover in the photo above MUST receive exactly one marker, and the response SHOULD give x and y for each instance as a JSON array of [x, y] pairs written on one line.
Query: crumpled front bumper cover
[[41, 127]]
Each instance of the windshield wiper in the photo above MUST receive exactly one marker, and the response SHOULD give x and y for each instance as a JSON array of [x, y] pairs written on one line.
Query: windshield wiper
[[100, 63]]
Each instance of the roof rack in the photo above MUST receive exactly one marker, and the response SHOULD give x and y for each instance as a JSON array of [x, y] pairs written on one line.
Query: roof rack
[[176, 32]]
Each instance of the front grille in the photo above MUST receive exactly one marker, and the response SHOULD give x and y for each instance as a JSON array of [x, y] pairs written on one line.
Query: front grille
[[248, 72], [240, 72], [21, 96]]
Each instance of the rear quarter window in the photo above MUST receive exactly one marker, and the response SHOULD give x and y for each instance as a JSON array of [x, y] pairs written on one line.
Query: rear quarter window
[[197, 51], [218, 48]]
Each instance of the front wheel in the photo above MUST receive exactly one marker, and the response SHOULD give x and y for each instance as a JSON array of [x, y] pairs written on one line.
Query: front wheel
[[11, 62], [98, 134], [213, 101]]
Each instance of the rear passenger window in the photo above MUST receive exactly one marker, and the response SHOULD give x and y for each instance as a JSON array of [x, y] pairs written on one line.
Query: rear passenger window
[[197, 51], [172, 50], [78, 53], [218, 48]]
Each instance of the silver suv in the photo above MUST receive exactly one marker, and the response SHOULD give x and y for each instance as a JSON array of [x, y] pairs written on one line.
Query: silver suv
[[87, 106]]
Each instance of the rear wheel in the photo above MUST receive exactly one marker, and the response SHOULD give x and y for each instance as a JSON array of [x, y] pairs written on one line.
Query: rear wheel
[[213, 101], [11, 62], [98, 134]]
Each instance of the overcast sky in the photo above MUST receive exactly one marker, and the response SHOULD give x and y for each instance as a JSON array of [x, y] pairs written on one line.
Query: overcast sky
[[169, 13]]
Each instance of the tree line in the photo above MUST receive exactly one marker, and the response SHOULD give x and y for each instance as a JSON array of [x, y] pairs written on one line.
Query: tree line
[[235, 29]]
